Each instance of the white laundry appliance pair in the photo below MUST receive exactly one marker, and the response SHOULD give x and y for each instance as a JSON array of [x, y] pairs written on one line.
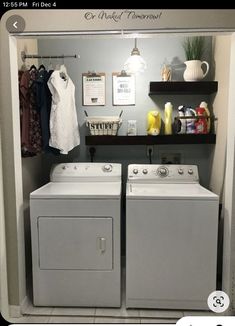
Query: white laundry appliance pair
[[171, 237]]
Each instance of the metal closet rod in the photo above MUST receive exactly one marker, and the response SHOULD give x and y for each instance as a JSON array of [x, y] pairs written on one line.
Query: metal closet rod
[[36, 56]]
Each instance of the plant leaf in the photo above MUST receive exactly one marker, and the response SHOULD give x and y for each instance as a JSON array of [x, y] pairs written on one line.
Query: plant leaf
[[194, 47]]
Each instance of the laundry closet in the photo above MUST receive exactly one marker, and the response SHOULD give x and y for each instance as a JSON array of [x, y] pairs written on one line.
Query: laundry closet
[[106, 54]]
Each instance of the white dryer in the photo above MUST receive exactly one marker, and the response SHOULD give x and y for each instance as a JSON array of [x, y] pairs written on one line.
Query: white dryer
[[171, 238], [75, 228]]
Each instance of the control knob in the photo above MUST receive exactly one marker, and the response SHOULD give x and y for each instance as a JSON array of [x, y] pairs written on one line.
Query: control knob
[[135, 171], [181, 171], [107, 168], [190, 171], [162, 171], [145, 171]]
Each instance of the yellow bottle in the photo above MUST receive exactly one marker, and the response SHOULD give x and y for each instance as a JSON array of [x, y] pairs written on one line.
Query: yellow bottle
[[154, 123], [168, 118]]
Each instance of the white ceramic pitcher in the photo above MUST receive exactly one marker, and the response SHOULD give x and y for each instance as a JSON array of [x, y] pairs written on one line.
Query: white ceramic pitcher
[[193, 71]]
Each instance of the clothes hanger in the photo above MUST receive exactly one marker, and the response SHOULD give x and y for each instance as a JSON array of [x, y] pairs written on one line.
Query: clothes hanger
[[32, 67], [57, 67], [24, 67], [41, 67], [63, 71], [50, 66]]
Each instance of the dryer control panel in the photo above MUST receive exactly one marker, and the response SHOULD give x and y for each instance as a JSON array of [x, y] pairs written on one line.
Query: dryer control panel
[[158, 173], [74, 172]]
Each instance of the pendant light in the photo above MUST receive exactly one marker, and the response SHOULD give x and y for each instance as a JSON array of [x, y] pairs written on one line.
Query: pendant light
[[135, 63]]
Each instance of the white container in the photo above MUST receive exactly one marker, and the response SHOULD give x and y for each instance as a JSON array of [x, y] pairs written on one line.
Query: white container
[[193, 71]]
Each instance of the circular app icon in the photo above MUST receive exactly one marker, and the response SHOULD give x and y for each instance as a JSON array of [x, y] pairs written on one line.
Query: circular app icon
[[218, 301], [15, 24]]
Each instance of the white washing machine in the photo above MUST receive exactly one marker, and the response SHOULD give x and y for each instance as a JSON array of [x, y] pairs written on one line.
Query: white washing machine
[[171, 238], [75, 228]]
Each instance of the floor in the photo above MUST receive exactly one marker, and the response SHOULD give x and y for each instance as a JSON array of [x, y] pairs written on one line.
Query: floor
[[103, 315], [55, 315], [121, 315]]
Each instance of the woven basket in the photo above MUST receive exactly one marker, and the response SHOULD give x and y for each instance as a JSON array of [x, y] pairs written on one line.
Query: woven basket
[[103, 125]]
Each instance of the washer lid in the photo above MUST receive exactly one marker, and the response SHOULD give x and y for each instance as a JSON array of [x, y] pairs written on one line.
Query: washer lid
[[71, 190], [169, 191]]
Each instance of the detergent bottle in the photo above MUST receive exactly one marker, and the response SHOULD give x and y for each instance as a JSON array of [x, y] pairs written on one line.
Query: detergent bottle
[[168, 118], [180, 123], [204, 105], [154, 123], [201, 122], [190, 122]]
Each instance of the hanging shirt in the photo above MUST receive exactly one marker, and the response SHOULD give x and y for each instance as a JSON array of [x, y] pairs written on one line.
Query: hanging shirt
[[44, 107], [64, 132]]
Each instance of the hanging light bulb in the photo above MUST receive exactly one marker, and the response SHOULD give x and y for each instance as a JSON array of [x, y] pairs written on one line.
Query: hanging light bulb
[[135, 63]]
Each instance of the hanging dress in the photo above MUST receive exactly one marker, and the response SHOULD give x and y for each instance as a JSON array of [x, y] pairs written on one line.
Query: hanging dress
[[31, 136], [64, 132]]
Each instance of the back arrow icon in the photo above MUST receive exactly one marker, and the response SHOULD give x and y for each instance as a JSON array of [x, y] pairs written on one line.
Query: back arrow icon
[[15, 24]]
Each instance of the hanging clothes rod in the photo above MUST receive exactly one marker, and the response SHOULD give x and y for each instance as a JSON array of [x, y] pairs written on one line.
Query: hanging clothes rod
[[36, 56]]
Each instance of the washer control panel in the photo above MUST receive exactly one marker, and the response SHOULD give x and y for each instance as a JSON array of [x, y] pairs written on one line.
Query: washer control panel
[[73, 172], [171, 173]]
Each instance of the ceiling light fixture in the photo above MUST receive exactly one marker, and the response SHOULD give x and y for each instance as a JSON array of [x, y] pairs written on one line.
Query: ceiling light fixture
[[135, 63]]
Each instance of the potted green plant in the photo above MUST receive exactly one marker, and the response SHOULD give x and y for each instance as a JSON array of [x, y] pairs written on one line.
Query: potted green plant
[[194, 48]]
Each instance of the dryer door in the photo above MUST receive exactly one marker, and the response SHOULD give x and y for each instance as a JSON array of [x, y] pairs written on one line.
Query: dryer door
[[83, 243]]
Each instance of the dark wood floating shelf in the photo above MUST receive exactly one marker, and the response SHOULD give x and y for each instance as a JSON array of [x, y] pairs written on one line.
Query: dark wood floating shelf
[[151, 140], [181, 87]]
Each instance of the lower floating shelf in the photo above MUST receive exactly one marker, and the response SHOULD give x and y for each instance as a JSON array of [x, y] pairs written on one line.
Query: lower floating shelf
[[152, 140]]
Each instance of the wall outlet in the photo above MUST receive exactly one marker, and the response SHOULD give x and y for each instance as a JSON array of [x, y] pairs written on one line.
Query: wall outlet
[[170, 158], [149, 148]]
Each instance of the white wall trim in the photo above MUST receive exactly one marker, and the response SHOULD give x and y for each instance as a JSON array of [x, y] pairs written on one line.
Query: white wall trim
[[24, 304], [18, 165], [15, 311], [3, 262], [229, 194]]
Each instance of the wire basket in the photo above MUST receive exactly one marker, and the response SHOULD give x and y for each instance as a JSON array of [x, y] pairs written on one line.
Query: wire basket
[[103, 125]]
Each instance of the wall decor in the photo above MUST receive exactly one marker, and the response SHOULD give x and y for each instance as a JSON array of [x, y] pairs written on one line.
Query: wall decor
[[123, 89], [93, 89]]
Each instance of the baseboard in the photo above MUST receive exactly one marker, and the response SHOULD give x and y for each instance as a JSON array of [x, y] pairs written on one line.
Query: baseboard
[[18, 311], [24, 305], [15, 311]]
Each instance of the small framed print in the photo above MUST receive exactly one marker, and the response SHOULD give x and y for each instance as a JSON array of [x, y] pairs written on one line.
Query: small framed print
[[123, 89], [93, 89]]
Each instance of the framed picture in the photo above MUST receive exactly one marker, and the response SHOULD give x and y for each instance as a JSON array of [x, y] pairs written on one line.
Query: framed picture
[[123, 89], [93, 89]]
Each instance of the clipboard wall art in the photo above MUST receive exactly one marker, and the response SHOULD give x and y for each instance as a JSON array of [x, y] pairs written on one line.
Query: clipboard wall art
[[123, 89], [93, 88]]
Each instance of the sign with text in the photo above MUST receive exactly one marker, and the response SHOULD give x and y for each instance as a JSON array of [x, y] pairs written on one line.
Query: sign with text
[[123, 89], [93, 89]]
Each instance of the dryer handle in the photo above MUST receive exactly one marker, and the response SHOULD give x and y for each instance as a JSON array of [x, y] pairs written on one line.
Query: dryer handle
[[102, 244]]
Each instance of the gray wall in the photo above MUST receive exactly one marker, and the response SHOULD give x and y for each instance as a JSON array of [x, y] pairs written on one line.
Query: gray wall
[[108, 55]]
